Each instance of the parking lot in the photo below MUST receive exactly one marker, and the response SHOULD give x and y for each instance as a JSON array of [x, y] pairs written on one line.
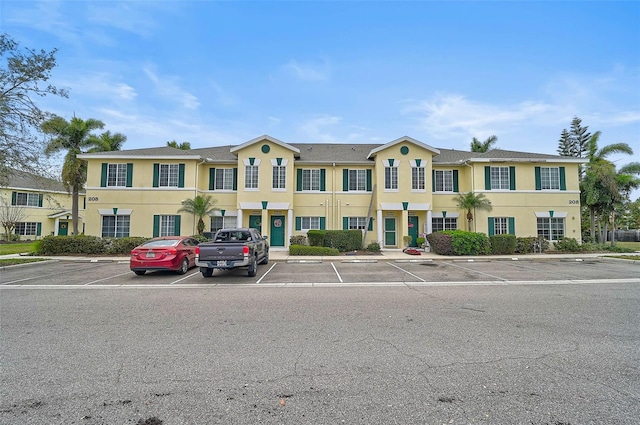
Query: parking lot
[[345, 272]]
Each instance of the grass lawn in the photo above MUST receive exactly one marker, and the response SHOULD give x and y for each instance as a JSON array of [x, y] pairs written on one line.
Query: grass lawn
[[14, 261], [16, 248], [633, 245]]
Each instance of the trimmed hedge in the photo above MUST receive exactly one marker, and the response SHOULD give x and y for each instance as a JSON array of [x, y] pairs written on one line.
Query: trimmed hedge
[[76, 244], [298, 240], [527, 245], [342, 240], [316, 237], [503, 244], [312, 250], [123, 246], [440, 243], [373, 247], [459, 242]]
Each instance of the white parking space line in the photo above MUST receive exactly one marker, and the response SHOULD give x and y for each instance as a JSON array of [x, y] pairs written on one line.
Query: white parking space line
[[262, 277], [407, 272], [106, 278], [337, 274], [186, 277], [474, 271], [40, 276]]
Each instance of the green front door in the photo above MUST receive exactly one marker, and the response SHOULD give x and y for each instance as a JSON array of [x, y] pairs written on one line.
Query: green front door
[[390, 231], [413, 229], [276, 237], [63, 228], [255, 221]]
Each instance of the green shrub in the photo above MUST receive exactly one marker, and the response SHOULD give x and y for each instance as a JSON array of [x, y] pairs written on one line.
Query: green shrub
[[502, 244], [76, 244], [201, 238], [568, 245], [469, 243], [123, 246], [617, 248], [373, 247], [531, 244], [312, 250], [440, 243], [343, 240], [420, 241], [316, 237], [298, 240]]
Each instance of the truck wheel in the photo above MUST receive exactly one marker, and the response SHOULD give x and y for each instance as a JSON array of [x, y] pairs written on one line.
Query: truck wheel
[[265, 260], [206, 272], [251, 270], [184, 266]]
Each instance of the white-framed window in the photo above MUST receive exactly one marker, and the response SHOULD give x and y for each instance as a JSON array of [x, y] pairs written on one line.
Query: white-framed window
[[391, 178], [357, 223], [500, 178], [417, 178], [167, 225], [358, 180], [115, 226], [310, 179], [309, 223], [439, 224], [500, 225], [550, 178], [27, 199], [168, 176], [551, 228], [117, 175], [443, 180], [279, 177], [251, 177], [26, 229], [227, 222], [223, 179]]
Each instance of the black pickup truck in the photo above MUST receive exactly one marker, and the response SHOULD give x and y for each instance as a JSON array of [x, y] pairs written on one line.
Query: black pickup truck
[[233, 248]]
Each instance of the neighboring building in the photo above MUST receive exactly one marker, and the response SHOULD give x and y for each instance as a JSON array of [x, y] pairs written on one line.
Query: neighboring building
[[403, 187], [45, 203]]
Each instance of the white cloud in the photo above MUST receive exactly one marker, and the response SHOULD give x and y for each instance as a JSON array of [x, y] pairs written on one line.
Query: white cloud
[[169, 87], [315, 129], [309, 72]]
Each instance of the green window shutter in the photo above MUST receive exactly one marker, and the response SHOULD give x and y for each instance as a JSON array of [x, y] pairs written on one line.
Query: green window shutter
[[40, 198], [487, 177], [323, 224], [512, 178], [563, 179], [323, 180], [235, 178], [14, 195], [156, 226], [491, 225], [299, 180], [176, 225], [298, 223], [433, 180], [103, 176], [129, 182], [456, 188], [369, 186], [38, 229], [512, 225], [345, 180], [538, 179], [370, 226], [180, 175], [345, 223], [212, 178], [156, 175]]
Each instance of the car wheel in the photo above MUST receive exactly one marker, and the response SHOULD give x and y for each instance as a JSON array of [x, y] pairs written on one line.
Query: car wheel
[[251, 270], [265, 260], [206, 272], [184, 266], [139, 272]]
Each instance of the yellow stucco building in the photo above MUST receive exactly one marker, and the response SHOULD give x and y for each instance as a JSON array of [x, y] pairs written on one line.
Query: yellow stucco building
[[400, 188]]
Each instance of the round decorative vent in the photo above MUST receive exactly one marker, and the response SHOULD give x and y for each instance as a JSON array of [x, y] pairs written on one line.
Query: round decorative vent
[[265, 148], [404, 150]]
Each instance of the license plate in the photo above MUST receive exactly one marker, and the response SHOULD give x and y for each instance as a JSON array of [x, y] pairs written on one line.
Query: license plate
[[221, 263], [151, 254]]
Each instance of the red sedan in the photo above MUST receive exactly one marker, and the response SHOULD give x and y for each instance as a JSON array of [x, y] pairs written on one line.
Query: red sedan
[[177, 253]]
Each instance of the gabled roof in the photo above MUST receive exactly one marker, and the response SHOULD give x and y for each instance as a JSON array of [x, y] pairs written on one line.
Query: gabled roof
[[330, 153], [403, 140], [18, 179], [263, 138], [164, 152]]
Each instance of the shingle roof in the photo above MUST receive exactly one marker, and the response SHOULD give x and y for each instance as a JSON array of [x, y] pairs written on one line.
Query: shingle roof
[[164, 151], [23, 180]]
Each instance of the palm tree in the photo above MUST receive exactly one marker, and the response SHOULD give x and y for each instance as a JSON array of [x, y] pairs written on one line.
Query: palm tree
[[107, 142], [478, 146], [200, 206], [602, 186], [73, 136], [470, 202]]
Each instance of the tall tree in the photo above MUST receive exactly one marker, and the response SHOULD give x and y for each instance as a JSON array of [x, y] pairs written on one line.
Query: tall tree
[[566, 147], [74, 137], [580, 137], [24, 75], [185, 146], [478, 146], [107, 142], [200, 207], [470, 202]]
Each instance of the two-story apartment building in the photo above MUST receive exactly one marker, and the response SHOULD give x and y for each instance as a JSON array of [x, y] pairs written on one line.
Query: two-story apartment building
[[44, 205], [401, 188]]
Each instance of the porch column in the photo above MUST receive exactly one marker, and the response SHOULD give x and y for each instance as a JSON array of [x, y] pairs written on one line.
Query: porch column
[[380, 227], [289, 227], [239, 219], [429, 219], [56, 224], [404, 226]]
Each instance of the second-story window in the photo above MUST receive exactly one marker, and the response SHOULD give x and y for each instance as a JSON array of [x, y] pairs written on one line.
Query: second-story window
[[223, 179], [443, 180], [500, 178], [168, 176], [391, 178], [26, 199], [417, 178], [117, 175], [550, 178], [358, 180], [310, 179], [251, 177], [279, 177]]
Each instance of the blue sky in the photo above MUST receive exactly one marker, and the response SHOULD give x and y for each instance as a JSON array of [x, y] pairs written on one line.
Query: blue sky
[[221, 73]]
